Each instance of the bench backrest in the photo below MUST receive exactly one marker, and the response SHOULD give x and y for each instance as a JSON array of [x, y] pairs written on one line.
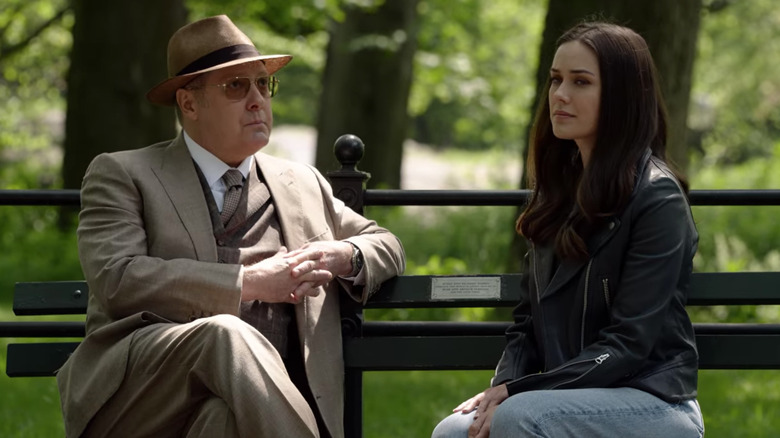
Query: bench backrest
[[375, 345]]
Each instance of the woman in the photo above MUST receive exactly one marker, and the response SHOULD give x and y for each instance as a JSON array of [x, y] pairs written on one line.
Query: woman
[[601, 345]]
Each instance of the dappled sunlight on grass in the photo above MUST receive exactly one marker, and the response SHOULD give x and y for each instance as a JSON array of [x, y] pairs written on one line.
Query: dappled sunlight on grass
[[740, 403], [411, 403]]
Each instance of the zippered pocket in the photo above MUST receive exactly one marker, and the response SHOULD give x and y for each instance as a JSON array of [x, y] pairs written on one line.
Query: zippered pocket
[[605, 288]]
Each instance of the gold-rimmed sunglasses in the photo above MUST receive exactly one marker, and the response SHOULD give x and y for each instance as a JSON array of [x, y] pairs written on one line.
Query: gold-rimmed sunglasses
[[238, 88]]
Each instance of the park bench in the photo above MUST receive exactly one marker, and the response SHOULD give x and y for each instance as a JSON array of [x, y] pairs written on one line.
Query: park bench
[[418, 345]]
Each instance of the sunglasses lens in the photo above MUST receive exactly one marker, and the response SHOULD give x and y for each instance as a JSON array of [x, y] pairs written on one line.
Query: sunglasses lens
[[237, 88]]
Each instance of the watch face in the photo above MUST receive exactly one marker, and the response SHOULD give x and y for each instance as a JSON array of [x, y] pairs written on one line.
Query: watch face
[[357, 260]]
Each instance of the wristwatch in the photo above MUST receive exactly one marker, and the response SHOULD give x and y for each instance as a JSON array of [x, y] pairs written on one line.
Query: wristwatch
[[357, 260]]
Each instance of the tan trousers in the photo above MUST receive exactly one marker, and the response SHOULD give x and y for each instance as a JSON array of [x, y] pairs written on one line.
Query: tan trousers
[[213, 377]]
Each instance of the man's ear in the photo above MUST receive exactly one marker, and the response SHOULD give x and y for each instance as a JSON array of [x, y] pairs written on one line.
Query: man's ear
[[188, 104]]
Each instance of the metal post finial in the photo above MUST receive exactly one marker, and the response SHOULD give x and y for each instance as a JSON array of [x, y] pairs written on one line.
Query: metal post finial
[[349, 150]]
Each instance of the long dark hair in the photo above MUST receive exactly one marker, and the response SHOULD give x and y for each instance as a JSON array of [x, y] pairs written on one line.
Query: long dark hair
[[568, 201]]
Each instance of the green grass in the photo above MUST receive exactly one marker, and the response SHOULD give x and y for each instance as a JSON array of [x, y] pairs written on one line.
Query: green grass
[[29, 406], [740, 403], [735, 403], [409, 404]]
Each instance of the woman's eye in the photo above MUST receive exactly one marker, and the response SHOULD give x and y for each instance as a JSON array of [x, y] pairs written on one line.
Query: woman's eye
[[235, 84], [262, 82]]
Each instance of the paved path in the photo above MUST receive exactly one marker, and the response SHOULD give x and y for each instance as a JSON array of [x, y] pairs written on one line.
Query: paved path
[[422, 167]]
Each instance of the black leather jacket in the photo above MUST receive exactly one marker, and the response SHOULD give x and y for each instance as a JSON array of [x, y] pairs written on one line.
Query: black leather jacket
[[617, 319]]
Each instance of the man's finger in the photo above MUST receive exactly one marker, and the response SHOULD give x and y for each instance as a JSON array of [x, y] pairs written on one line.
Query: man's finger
[[303, 268]]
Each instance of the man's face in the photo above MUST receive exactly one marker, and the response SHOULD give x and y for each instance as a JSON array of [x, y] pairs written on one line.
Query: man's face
[[232, 128]]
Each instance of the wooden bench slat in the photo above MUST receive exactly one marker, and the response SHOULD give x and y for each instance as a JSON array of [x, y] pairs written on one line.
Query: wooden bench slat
[[483, 328], [397, 353], [51, 298], [42, 329], [707, 288], [389, 346], [734, 288], [414, 291], [403, 353], [37, 360], [744, 351]]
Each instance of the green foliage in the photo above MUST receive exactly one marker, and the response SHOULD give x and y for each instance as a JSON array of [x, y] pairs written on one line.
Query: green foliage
[[32, 88], [738, 238], [471, 88], [443, 240], [449, 241], [736, 89], [741, 237]]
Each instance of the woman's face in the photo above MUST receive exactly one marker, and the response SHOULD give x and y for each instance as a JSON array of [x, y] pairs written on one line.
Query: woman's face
[[575, 95]]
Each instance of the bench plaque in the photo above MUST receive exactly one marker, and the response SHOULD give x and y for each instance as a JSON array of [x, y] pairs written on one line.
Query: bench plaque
[[466, 288]]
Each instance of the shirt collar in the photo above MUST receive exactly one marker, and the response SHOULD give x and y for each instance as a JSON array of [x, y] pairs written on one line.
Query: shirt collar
[[212, 167]]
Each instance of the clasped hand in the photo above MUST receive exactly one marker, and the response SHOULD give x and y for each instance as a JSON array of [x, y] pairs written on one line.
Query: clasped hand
[[287, 277]]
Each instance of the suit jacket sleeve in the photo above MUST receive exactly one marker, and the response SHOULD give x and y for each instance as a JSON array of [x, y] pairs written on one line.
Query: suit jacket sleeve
[[382, 251], [124, 277]]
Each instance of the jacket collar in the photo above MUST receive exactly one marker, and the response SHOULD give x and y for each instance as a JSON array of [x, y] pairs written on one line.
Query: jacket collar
[[176, 173], [544, 255]]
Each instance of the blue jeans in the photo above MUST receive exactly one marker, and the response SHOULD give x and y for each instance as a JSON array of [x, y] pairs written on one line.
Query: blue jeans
[[596, 412]]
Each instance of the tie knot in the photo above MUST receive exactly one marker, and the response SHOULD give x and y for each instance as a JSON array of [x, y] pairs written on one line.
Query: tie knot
[[233, 178]]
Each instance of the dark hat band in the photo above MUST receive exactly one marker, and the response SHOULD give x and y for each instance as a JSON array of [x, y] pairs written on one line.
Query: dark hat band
[[221, 56]]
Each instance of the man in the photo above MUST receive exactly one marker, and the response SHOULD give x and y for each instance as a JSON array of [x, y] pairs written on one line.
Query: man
[[201, 322]]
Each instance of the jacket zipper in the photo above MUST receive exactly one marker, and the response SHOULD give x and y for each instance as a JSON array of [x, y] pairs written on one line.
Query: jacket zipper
[[585, 306], [605, 283], [598, 361], [539, 305]]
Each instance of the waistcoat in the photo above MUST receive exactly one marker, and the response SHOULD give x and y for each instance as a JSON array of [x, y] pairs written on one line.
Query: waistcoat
[[253, 234]]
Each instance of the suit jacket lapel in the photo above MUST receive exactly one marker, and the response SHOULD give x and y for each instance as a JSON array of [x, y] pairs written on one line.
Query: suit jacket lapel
[[286, 198], [258, 194], [281, 182], [178, 177]]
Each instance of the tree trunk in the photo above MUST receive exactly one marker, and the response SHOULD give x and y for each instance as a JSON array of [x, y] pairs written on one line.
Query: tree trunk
[[671, 29], [119, 53], [368, 74]]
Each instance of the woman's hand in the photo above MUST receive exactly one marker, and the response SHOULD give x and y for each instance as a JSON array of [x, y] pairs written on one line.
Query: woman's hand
[[485, 403]]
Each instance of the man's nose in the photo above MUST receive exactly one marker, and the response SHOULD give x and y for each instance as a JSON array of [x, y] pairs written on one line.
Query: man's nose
[[254, 96]]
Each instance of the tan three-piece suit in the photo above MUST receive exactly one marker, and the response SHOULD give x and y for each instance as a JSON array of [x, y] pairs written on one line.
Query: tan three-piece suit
[[149, 254]]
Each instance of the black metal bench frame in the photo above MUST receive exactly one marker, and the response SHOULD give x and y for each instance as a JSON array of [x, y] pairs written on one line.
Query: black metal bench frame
[[415, 345]]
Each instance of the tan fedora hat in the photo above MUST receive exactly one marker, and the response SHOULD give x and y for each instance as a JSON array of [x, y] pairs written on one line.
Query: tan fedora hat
[[207, 45]]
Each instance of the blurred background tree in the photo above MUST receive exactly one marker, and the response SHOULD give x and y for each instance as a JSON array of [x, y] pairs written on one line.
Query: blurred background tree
[[118, 54], [470, 72], [365, 85]]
